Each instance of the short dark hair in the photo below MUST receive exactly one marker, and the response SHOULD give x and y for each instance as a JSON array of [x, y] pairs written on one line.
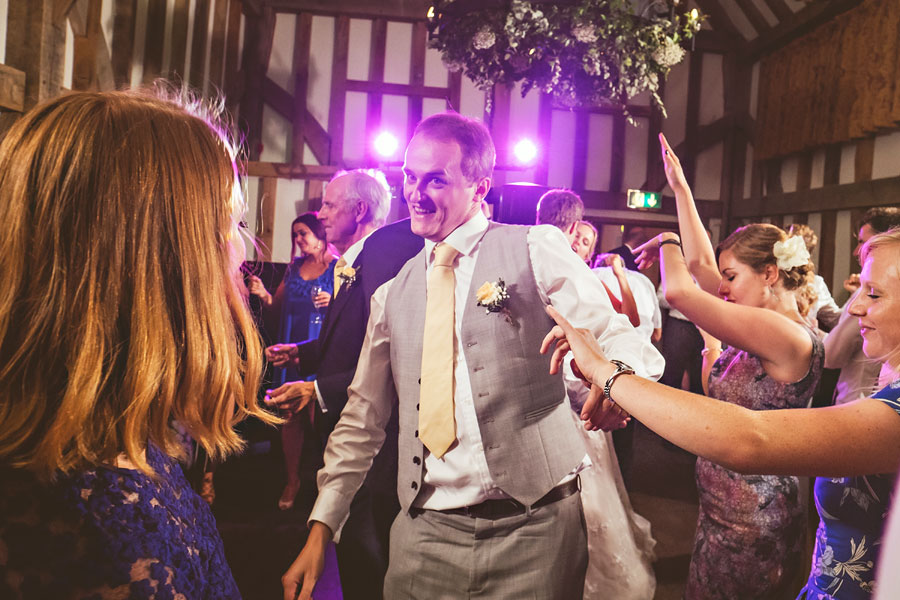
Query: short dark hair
[[560, 208], [880, 218], [474, 139]]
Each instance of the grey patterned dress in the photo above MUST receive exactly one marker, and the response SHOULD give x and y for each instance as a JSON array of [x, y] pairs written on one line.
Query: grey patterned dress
[[750, 530]]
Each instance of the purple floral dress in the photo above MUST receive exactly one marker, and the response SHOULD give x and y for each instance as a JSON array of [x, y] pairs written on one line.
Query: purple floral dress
[[110, 533], [750, 530]]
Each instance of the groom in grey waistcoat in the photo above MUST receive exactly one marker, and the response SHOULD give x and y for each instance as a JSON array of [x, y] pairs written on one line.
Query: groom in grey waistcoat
[[488, 455]]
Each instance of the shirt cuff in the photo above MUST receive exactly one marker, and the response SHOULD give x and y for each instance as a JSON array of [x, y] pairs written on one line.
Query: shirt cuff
[[332, 509], [319, 398]]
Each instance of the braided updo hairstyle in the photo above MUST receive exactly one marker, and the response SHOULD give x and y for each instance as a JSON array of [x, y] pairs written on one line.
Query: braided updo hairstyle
[[754, 246]]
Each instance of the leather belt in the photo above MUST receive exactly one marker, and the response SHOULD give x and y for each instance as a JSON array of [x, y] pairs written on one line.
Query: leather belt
[[507, 507]]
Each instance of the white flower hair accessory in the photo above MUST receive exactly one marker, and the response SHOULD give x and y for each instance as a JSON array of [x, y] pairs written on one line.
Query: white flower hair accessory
[[791, 253]]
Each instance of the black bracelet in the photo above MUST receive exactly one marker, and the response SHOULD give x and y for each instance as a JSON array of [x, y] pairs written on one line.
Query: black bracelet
[[670, 241]]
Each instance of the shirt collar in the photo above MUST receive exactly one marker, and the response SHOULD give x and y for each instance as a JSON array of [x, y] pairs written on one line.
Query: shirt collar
[[464, 238], [353, 251]]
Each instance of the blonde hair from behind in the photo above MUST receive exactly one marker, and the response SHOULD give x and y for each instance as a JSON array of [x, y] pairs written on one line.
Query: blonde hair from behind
[[754, 245], [121, 307]]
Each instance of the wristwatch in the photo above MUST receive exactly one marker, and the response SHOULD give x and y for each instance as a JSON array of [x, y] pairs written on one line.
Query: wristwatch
[[621, 369]]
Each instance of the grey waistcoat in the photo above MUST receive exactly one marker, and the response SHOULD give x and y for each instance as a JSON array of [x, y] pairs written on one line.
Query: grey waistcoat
[[529, 438]]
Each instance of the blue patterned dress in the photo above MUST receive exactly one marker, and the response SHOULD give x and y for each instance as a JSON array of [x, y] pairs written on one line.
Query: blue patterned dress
[[110, 533], [297, 309], [852, 514], [750, 528]]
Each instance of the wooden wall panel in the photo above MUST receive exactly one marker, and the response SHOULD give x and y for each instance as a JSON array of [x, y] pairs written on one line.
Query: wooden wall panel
[[198, 44], [153, 41], [338, 89], [123, 40], [217, 45], [178, 55]]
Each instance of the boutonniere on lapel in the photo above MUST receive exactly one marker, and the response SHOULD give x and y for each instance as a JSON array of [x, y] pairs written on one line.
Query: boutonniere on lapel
[[494, 297], [347, 275]]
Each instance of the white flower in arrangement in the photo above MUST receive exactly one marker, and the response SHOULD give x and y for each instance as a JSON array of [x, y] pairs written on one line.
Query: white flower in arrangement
[[791, 253], [668, 54], [484, 39], [586, 34]]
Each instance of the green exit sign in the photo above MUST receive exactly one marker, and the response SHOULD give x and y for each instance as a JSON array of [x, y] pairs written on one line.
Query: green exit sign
[[645, 200]]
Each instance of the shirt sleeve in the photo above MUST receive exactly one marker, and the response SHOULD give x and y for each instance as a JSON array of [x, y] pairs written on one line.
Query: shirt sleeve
[[565, 282], [359, 433], [844, 342]]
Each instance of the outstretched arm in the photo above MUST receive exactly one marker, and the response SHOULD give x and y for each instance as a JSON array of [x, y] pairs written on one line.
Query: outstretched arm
[[863, 436]]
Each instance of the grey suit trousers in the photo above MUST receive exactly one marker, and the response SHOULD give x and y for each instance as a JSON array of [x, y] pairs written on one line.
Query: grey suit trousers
[[438, 556]]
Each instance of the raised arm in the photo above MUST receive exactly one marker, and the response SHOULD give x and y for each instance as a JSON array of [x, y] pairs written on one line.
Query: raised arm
[[698, 250], [783, 346], [863, 436]]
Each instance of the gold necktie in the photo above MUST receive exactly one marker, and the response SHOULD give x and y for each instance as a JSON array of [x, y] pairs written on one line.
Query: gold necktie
[[341, 263], [437, 426]]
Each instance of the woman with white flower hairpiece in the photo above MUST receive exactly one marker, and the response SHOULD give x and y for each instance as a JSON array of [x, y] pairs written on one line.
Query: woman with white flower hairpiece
[[750, 530]]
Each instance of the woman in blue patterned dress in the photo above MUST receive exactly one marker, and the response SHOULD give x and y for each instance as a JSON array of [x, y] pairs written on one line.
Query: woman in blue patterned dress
[[300, 299], [853, 448], [120, 312]]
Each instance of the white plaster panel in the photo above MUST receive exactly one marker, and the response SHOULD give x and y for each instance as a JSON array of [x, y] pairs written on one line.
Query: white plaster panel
[[887, 156], [817, 178], [471, 100], [68, 56], [290, 202], [789, 168], [435, 72], [321, 55], [140, 34], [276, 133], [848, 164], [748, 172], [843, 238], [635, 163], [524, 118], [707, 181], [397, 52], [308, 157], [251, 197], [599, 152], [107, 8], [4, 14], [754, 90], [394, 115], [355, 126], [739, 19], [712, 98], [432, 106], [282, 57], [562, 149], [675, 100], [359, 49]]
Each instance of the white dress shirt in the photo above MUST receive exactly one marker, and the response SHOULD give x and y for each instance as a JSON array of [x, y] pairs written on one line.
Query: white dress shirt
[[461, 477]]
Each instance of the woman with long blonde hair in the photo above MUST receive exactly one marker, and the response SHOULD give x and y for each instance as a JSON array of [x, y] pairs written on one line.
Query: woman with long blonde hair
[[121, 311]]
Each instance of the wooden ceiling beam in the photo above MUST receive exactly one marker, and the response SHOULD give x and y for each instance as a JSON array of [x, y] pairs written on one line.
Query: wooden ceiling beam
[[861, 194], [780, 9], [720, 20], [795, 26], [12, 89], [755, 16]]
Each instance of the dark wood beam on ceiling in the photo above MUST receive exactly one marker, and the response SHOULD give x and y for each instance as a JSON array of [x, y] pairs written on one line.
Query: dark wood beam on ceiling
[[392, 9], [755, 16], [780, 9], [719, 19], [860, 194], [795, 26], [618, 201], [715, 42]]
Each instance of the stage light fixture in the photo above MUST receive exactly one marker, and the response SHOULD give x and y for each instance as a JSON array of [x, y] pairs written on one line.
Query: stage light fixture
[[386, 144], [526, 152]]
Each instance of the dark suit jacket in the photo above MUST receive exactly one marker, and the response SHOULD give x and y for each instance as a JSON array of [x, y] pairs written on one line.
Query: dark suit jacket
[[334, 354], [627, 256]]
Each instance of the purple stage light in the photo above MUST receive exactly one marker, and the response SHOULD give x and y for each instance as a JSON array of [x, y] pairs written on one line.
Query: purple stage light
[[525, 152], [386, 144]]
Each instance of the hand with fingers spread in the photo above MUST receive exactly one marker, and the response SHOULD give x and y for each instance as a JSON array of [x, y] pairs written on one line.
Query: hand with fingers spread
[[672, 166], [648, 252], [281, 355], [301, 577], [589, 365], [291, 397]]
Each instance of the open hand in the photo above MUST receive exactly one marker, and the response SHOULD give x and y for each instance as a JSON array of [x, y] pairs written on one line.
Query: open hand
[[301, 577], [672, 166], [291, 397], [648, 252]]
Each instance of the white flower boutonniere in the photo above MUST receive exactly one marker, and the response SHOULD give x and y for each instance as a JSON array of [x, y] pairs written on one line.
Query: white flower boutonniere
[[493, 296], [347, 275], [791, 253]]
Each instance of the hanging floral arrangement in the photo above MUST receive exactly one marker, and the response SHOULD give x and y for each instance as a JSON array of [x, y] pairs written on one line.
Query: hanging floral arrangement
[[583, 52]]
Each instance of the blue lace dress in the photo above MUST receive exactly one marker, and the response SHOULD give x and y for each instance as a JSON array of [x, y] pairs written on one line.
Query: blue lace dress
[[109, 533], [297, 310], [852, 514]]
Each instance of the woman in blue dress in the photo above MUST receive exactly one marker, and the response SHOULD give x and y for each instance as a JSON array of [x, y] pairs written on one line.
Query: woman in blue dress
[[300, 299], [120, 313], [854, 448]]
